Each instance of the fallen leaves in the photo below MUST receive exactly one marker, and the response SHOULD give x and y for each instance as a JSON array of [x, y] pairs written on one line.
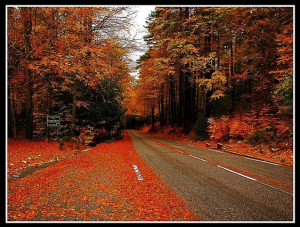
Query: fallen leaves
[[99, 186], [278, 154], [25, 153]]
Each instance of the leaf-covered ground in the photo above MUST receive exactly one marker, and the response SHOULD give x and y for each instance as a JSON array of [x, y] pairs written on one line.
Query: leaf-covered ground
[[22, 153], [99, 186], [261, 151]]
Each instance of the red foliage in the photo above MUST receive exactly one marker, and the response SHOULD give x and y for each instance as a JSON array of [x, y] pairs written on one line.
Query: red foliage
[[24, 153], [99, 186], [274, 151], [238, 127]]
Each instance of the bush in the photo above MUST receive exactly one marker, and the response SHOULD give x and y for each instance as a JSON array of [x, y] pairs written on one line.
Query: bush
[[221, 106], [61, 145], [218, 128], [239, 128], [200, 128], [258, 136]]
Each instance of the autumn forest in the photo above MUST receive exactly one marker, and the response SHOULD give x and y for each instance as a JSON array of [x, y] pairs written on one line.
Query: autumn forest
[[211, 75], [231, 65]]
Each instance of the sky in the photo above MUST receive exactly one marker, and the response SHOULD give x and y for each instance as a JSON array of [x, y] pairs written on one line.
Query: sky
[[140, 20]]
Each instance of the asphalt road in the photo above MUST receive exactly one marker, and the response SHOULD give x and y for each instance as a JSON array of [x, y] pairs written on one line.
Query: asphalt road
[[218, 186]]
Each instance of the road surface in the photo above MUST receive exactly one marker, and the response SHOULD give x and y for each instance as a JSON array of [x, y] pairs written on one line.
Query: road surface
[[219, 186]]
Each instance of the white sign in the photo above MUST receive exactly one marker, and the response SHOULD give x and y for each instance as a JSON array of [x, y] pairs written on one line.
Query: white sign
[[53, 120]]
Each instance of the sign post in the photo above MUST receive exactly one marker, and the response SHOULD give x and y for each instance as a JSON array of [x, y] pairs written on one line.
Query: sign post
[[53, 121]]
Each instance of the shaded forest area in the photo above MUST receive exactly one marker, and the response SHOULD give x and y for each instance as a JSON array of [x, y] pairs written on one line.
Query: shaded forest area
[[226, 72], [67, 61]]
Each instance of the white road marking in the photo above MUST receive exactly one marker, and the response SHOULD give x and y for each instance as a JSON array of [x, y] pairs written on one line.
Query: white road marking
[[250, 178], [262, 161], [215, 151], [197, 158], [275, 188], [179, 151], [139, 176], [242, 175], [138, 173]]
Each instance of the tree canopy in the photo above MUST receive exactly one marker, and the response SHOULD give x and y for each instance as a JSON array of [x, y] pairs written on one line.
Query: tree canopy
[[217, 61], [68, 61]]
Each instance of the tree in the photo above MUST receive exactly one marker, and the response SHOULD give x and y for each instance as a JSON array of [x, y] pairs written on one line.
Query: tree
[[55, 52], [241, 57]]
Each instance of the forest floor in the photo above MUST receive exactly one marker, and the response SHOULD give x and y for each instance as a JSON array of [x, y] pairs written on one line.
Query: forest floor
[[259, 151], [103, 183]]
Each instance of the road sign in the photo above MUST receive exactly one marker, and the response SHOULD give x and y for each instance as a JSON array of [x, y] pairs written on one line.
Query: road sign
[[53, 120]]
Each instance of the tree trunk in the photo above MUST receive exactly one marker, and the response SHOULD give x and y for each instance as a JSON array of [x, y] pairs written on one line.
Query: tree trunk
[[180, 103], [13, 115], [231, 73], [172, 102], [152, 113], [74, 105], [27, 27], [162, 119]]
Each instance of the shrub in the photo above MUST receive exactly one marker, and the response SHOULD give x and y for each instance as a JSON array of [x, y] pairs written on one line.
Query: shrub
[[221, 106], [201, 127], [239, 129], [257, 136], [61, 145], [218, 128]]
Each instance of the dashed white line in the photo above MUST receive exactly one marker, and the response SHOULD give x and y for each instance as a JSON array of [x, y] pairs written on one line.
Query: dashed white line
[[215, 151], [262, 161], [197, 158], [138, 173], [179, 151], [139, 176], [242, 175]]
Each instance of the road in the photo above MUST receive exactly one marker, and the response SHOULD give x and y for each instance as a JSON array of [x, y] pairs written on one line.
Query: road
[[218, 186]]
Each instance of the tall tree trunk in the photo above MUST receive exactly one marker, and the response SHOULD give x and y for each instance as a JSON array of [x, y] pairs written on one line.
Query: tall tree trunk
[[187, 105], [231, 73], [180, 97], [13, 114], [74, 105], [152, 113], [162, 119], [172, 102], [193, 102], [27, 27]]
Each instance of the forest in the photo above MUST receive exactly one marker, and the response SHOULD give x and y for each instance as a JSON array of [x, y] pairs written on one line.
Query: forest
[[71, 62], [199, 126], [224, 72]]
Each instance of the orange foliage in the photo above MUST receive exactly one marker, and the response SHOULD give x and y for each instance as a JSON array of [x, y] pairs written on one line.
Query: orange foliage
[[25, 153], [237, 127], [100, 186]]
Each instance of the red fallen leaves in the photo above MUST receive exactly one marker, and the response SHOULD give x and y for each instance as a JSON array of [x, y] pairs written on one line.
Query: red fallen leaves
[[99, 186], [23, 153], [278, 154]]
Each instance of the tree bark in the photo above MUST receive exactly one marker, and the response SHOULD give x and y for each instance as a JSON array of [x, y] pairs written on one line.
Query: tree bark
[[74, 105], [27, 28], [152, 113]]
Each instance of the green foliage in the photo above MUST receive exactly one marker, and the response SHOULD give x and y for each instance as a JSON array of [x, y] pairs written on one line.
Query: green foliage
[[61, 145], [284, 94], [257, 136], [103, 104], [200, 128], [221, 106]]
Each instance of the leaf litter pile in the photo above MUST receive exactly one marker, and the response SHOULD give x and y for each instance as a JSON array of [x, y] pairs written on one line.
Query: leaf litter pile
[[110, 183]]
